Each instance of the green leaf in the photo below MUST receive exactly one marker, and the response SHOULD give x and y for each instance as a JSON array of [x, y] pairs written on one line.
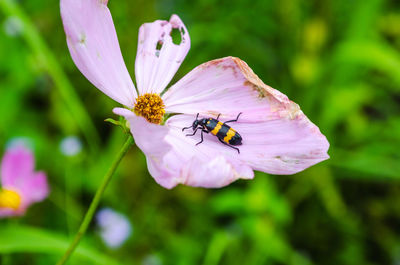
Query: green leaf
[[17, 239], [370, 166], [376, 55]]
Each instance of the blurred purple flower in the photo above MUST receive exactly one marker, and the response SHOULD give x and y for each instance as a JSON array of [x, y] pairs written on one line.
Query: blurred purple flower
[[70, 146], [277, 137], [20, 142], [13, 26], [115, 228], [21, 186]]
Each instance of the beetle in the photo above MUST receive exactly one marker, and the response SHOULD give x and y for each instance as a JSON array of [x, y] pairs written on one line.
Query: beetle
[[224, 132]]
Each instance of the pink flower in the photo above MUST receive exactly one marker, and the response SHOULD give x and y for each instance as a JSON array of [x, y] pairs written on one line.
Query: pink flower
[[21, 186], [277, 137]]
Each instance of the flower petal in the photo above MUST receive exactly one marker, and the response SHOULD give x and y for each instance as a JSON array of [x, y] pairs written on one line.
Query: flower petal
[[34, 189], [149, 138], [158, 58], [282, 146], [173, 158], [216, 172], [16, 167], [93, 44], [277, 137], [145, 132], [227, 86], [7, 212]]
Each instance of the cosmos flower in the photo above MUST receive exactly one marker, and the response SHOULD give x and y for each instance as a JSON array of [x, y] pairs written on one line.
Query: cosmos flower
[[21, 186], [277, 137], [115, 228]]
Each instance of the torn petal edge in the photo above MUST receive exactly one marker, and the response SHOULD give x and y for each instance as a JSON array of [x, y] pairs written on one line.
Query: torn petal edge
[[158, 57]]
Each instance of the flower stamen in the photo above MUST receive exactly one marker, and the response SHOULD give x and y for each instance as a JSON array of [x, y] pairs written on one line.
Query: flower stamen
[[151, 107], [9, 199]]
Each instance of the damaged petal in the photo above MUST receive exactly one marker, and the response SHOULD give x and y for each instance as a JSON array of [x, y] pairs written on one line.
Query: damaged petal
[[159, 54], [278, 100], [228, 86]]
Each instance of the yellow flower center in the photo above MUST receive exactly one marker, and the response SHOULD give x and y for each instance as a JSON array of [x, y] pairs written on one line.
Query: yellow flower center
[[151, 107], [9, 199]]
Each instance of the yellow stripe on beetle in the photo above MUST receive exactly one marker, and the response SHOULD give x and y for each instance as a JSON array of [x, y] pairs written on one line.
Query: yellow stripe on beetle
[[229, 135], [217, 128]]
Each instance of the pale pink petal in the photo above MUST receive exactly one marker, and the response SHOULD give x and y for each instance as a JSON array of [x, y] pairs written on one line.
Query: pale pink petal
[[216, 172], [174, 159], [149, 138], [228, 86], [34, 189], [93, 44], [186, 159], [10, 212], [282, 146], [279, 146], [16, 167], [277, 137], [158, 58], [148, 131]]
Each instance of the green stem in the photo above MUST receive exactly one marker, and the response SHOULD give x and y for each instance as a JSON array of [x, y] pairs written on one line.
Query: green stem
[[51, 65], [95, 202]]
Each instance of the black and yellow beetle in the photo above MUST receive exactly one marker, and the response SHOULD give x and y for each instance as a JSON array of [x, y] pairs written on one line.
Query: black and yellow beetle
[[224, 133]]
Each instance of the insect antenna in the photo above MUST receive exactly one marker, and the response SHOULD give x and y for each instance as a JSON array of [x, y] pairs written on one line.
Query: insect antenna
[[192, 125]]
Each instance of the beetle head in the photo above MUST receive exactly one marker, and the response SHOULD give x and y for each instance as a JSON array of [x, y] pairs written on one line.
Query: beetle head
[[195, 122]]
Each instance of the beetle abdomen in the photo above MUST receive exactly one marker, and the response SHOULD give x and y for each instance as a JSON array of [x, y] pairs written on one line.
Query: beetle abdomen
[[236, 139], [223, 132], [213, 126]]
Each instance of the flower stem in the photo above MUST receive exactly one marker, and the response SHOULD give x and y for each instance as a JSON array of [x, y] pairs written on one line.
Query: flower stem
[[96, 200]]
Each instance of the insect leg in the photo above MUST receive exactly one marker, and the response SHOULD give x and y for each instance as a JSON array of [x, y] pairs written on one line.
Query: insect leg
[[218, 116], [236, 118], [195, 131], [185, 128], [237, 149], [201, 136]]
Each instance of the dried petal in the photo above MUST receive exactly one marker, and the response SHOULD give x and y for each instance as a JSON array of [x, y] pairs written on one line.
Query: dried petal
[[228, 86], [277, 137], [158, 57]]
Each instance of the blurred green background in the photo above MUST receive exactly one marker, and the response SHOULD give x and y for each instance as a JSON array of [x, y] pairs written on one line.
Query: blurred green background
[[338, 59]]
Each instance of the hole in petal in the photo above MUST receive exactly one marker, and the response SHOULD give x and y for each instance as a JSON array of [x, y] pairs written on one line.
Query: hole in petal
[[176, 36], [158, 47]]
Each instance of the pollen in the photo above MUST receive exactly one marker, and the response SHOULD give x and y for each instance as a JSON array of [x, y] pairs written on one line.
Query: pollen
[[9, 199], [151, 107]]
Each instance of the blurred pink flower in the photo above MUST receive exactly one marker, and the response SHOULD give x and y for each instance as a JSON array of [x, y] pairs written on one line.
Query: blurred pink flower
[[277, 137], [21, 186]]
